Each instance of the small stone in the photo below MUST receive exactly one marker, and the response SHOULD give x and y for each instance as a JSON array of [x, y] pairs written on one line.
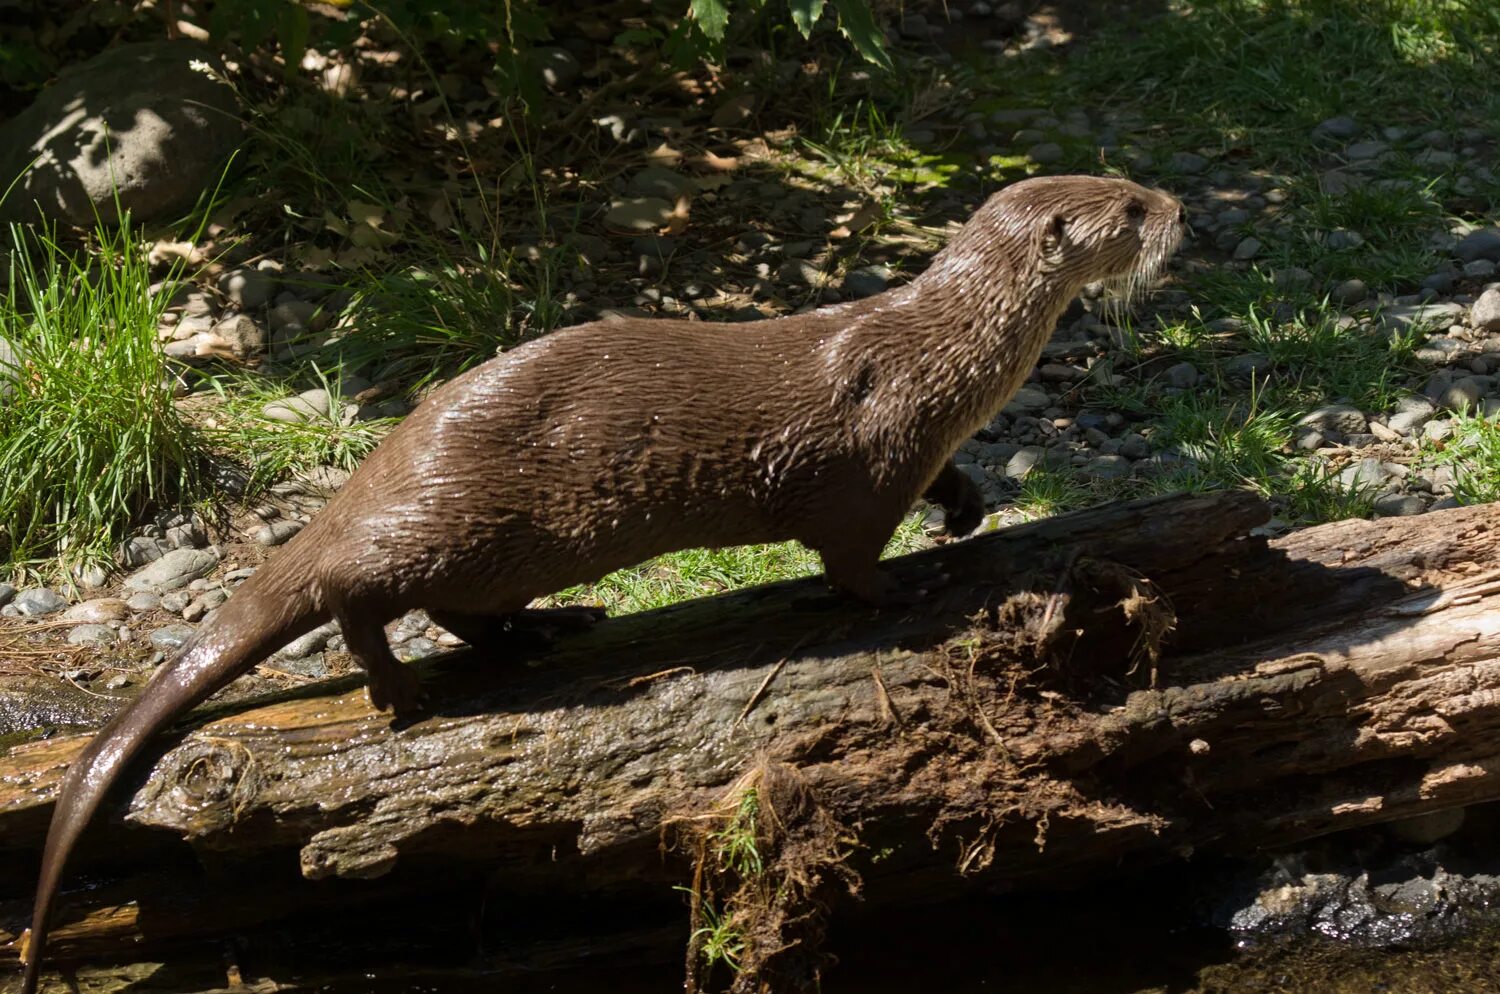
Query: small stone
[[1485, 314], [176, 601], [1046, 153], [1365, 151], [1028, 400], [277, 532], [1403, 317], [1437, 430], [1107, 468], [1438, 282], [143, 600], [1411, 414], [1183, 376], [1342, 238], [98, 610], [309, 405], [1482, 243], [176, 569], [1394, 505], [1292, 277], [1367, 472], [658, 181], [866, 281], [1032, 456], [292, 317], [37, 601], [241, 334], [1351, 291], [417, 648], [736, 110], [556, 66], [639, 213], [248, 288], [1134, 446], [1247, 248], [1342, 418], [172, 636], [1460, 395], [92, 635], [7, 592], [1479, 269], [1247, 365], [799, 272], [1187, 163], [314, 641], [1337, 127]]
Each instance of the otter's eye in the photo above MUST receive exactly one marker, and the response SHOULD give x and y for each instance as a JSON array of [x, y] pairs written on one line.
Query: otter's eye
[[1135, 211]]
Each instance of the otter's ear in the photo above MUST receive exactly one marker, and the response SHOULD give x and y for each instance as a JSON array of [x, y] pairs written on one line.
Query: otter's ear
[[1054, 233]]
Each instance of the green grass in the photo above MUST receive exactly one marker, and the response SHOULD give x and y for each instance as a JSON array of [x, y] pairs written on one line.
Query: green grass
[[270, 449], [89, 437], [702, 572], [1473, 454]]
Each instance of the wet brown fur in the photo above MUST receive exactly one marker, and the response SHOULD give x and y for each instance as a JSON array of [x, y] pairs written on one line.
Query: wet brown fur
[[602, 445]]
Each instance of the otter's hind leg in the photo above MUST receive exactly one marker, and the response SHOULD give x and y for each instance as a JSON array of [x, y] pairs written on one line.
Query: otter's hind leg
[[392, 684]]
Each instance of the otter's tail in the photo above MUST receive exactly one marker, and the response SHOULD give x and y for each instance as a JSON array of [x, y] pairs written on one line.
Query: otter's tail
[[267, 611]]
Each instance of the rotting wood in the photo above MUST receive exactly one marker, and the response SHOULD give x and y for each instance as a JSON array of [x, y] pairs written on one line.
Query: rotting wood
[[1000, 736]]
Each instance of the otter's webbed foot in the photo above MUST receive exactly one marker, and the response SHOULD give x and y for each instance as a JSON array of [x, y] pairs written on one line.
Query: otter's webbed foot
[[532, 627], [392, 684]]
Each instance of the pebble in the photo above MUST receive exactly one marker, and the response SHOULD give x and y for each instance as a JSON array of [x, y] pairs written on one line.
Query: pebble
[[639, 213], [176, 569], [1341, 127], [799, 272], [98, 610], [1367, 472], [1187, 162], [1485, 314], [37, 601], [309, 405], [1247, 365], [1482, 243], [1351, 291], [417, 648], [92, 635], [658, 181], [1032, 456], [314, 641], [1462, 394], [1107, 468], [143, 600], [277, 532], [1343, 238], [248, 288], [1046, 153], [176, 601], [1028, 400], [172, 636], [1394, 505], [7, 592], [1183, 376], [866, 281], [1365, 151], [243, 335], [1479, 269], [1401, 317], [1412, 413], [292, 317], [1247, 248], [1342, 418]]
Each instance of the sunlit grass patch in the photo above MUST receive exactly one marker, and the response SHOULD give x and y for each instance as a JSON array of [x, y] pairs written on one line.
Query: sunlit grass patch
[[702, 572], [89, 434]]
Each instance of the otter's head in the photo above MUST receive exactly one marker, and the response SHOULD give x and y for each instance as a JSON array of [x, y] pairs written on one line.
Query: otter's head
[[1057, 233]]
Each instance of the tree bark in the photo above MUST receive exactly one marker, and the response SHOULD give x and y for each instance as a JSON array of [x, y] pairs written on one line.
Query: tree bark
[[1005, 733]]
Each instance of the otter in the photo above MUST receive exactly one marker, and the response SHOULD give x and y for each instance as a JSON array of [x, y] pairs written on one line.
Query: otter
[[601, 445]]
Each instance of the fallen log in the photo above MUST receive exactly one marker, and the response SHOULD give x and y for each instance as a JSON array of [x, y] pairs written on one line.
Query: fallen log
[[1138, 681]]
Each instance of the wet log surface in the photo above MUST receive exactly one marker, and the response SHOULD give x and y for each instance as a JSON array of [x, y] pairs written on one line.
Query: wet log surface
[[1003, 734]]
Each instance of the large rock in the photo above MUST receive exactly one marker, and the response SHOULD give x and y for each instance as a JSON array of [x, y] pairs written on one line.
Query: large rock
[[176, 569], [137, 118]]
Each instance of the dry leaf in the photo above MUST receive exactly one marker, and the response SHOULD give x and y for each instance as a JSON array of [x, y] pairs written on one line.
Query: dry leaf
[[710, 163], [663, 155], [677, 222]]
